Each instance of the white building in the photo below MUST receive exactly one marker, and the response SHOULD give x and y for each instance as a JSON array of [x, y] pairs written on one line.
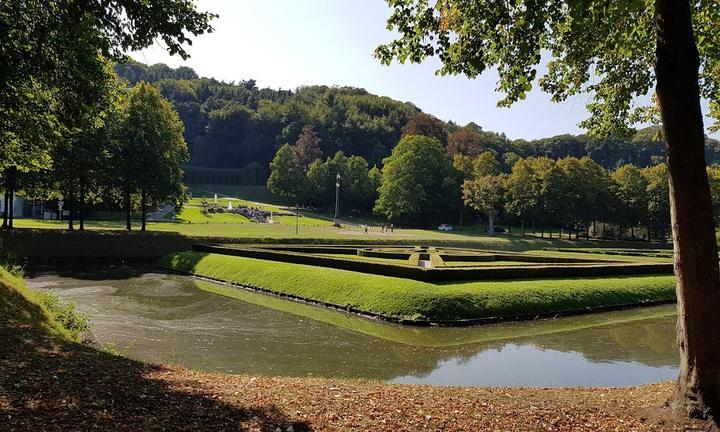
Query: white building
[[18, 206]]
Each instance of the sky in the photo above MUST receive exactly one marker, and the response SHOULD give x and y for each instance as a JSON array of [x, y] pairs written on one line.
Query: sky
[[291, 43]]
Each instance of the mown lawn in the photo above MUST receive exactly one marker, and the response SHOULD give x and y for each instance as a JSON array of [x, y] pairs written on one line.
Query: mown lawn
[[412, 300], [233, 226]]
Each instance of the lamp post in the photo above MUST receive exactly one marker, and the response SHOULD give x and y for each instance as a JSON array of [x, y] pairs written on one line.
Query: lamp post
[[60, 207], [337, 201]]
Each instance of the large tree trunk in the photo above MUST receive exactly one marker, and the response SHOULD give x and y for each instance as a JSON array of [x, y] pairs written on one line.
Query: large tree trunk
[[491, 224], [696, 261]]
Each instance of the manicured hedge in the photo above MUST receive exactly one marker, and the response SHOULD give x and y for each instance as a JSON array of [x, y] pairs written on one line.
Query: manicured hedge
[[411, 271], [63, 245]]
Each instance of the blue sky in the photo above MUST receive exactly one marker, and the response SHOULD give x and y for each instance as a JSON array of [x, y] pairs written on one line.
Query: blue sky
[[290, 43]]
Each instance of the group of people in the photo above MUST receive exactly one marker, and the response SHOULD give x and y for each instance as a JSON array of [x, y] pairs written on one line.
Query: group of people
[[384, 228], [252, 213]]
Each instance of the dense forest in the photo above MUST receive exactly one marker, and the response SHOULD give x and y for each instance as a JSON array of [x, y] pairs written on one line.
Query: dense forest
[[231, 125]]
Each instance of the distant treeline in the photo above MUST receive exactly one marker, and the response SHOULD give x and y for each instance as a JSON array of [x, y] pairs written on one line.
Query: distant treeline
[[231, 125]]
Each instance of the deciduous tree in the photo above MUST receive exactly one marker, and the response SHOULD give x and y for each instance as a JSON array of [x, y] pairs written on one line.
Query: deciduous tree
[[412, 180]]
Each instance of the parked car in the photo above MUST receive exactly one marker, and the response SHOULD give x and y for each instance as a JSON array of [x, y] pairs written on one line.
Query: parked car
[[445, 227]]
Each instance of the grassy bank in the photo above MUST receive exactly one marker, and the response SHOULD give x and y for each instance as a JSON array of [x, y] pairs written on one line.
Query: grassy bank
[[403, 299], [20, 307]]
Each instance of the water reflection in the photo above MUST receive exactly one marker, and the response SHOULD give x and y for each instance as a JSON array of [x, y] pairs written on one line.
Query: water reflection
[[172, 319]]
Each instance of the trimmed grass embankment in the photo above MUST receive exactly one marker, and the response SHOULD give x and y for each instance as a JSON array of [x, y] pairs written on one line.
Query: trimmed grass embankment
[[414, 302], [20, 308]]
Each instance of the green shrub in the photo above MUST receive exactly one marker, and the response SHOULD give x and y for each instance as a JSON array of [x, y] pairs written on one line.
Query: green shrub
[[74, 321], [14, 269]]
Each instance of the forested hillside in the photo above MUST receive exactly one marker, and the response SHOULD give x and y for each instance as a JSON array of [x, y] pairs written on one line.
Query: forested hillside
[[231, 125]]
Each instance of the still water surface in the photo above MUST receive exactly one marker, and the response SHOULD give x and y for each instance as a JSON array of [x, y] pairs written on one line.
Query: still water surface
[[163, 318]]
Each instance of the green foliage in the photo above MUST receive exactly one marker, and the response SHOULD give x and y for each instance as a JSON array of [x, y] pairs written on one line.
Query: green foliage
[[287, 175], [658, 196], [345, 119], [606, 50], [485, 194], [149, 148], [358, 189], [65, 313], [486, 164], [412, 180], [632, 194], [58, 84], [714, 179]]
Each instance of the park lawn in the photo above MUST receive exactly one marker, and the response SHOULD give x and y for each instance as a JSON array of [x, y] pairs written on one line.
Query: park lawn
[[278, 233], [486, 263], [355, 257], [601, 256], [404, 299], [308, 232], [193, 214]]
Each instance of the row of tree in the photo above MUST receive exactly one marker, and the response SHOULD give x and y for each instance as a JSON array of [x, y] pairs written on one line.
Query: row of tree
[[68, 125], [230, 125], [300, 175], [423, 182]]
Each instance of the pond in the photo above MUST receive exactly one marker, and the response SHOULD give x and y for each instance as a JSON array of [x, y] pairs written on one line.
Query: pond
[[162, 318]]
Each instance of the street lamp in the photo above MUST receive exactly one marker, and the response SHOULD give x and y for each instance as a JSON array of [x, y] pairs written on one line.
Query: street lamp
[[337, 201], [60, 207]]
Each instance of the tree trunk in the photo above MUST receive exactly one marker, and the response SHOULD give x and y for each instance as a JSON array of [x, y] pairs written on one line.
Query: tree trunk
[[5, 208], [143, 210], [11, 206], [81, 206], [128, 223], [532, 222], [70, 208], [522, 227], [542, 232], [696, 265], [491, 224]]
